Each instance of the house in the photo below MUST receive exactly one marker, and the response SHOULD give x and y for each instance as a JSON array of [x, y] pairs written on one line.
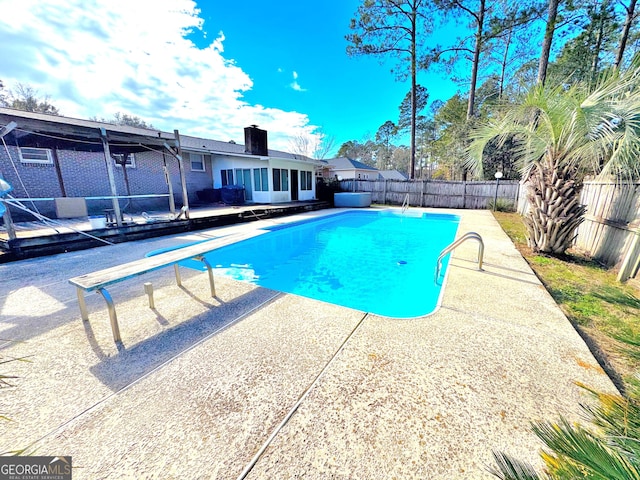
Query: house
[[269, 176], [391, 175], [346, 168], [47, 157]]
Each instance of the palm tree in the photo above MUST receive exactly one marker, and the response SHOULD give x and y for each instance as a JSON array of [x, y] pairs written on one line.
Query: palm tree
[[608, 450], [561, 135]]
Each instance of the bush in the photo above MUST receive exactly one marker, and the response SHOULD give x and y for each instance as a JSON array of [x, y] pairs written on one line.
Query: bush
[[502, 205], [325, 188]]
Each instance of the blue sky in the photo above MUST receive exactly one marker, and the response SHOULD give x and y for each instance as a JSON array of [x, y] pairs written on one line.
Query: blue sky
[[207, 68], [347, 97]]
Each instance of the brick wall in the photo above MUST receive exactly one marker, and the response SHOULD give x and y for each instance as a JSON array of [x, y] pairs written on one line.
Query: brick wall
[[85, 175], [40, 180]]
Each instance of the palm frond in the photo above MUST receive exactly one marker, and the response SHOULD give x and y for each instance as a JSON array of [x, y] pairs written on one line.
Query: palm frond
[[509, 468], [619, 419], [576, 449]]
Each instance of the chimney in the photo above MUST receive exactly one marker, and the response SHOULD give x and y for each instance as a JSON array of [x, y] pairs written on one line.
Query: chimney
[[255, 141]]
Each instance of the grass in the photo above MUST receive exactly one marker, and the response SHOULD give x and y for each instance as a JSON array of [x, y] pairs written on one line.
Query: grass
[[605, 312]]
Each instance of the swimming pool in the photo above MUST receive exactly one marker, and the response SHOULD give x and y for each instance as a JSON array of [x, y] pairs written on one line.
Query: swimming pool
[[378, 262]]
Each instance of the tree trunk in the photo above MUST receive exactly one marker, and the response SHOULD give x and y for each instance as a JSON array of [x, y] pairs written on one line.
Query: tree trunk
[[476, 60], [412, 158], [599, 37], [503, 66], [554, 207], [625, 32], [548, 40]]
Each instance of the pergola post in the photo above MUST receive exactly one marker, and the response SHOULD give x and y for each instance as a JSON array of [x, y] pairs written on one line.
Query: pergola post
[[183, 179], [8, 223], [167, 176], [112, 178]]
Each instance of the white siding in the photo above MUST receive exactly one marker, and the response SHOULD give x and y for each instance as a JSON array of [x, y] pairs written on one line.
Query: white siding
[[228, 162], [277, 197]]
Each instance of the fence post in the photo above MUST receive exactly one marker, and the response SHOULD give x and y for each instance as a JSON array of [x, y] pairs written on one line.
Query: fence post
[[421, 193], [384, 193], [631, 259], [464, 194]]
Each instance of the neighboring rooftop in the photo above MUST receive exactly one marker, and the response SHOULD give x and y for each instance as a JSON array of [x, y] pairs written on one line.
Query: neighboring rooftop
[[346, 163], [392, 175]]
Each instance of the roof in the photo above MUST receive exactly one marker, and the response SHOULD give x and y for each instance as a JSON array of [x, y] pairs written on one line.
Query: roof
[[74, 129], [343, 163], [392, 175], [232, 148], [79, 122]]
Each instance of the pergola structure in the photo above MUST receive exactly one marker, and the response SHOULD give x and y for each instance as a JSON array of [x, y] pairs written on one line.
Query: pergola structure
[[19, 128]]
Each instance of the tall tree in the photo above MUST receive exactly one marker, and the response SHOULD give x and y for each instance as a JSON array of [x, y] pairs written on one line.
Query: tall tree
[[25, 97], [362, 151], [453, 129], [407, 109], [630, 10], [392, 27], [512, 44], [124, 119], [3, 96], [578, 132], [324, 146], [475, 11], [561, 14], [302, 144], [550, 28], [312, 145], [583, 57], [387, 131], [130, 120], [488, 20]]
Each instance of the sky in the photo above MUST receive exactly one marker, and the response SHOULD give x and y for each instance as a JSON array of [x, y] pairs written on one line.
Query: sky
[[208, 67]]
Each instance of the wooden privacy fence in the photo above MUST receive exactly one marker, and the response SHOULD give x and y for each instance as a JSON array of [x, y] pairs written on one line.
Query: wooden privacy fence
[[611, 230], [610, 233], [435, 193]]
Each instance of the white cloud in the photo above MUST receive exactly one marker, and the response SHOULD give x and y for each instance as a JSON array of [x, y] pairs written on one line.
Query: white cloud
[[97, 57], [295, 85]]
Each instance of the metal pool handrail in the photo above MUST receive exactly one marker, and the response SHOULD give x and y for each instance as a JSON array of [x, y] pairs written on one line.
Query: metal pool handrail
[[405, 203], [451, 247]]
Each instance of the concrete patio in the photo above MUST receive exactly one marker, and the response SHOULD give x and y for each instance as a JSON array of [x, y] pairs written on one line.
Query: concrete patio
[[268, 385]]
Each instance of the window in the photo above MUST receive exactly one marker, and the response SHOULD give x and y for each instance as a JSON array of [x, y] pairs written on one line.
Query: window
[[305, 180], [35, 155], [197, 162], [227, 177], [130, 162], [261, 179], [280, 180]]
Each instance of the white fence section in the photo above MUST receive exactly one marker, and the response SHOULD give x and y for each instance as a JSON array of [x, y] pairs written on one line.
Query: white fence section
[[611, 230]]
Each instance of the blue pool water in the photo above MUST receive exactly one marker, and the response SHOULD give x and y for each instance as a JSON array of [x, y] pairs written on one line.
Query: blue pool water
[[378, 262]]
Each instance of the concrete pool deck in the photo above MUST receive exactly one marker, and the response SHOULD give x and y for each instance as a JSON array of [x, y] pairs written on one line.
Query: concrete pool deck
[[203, 385]]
